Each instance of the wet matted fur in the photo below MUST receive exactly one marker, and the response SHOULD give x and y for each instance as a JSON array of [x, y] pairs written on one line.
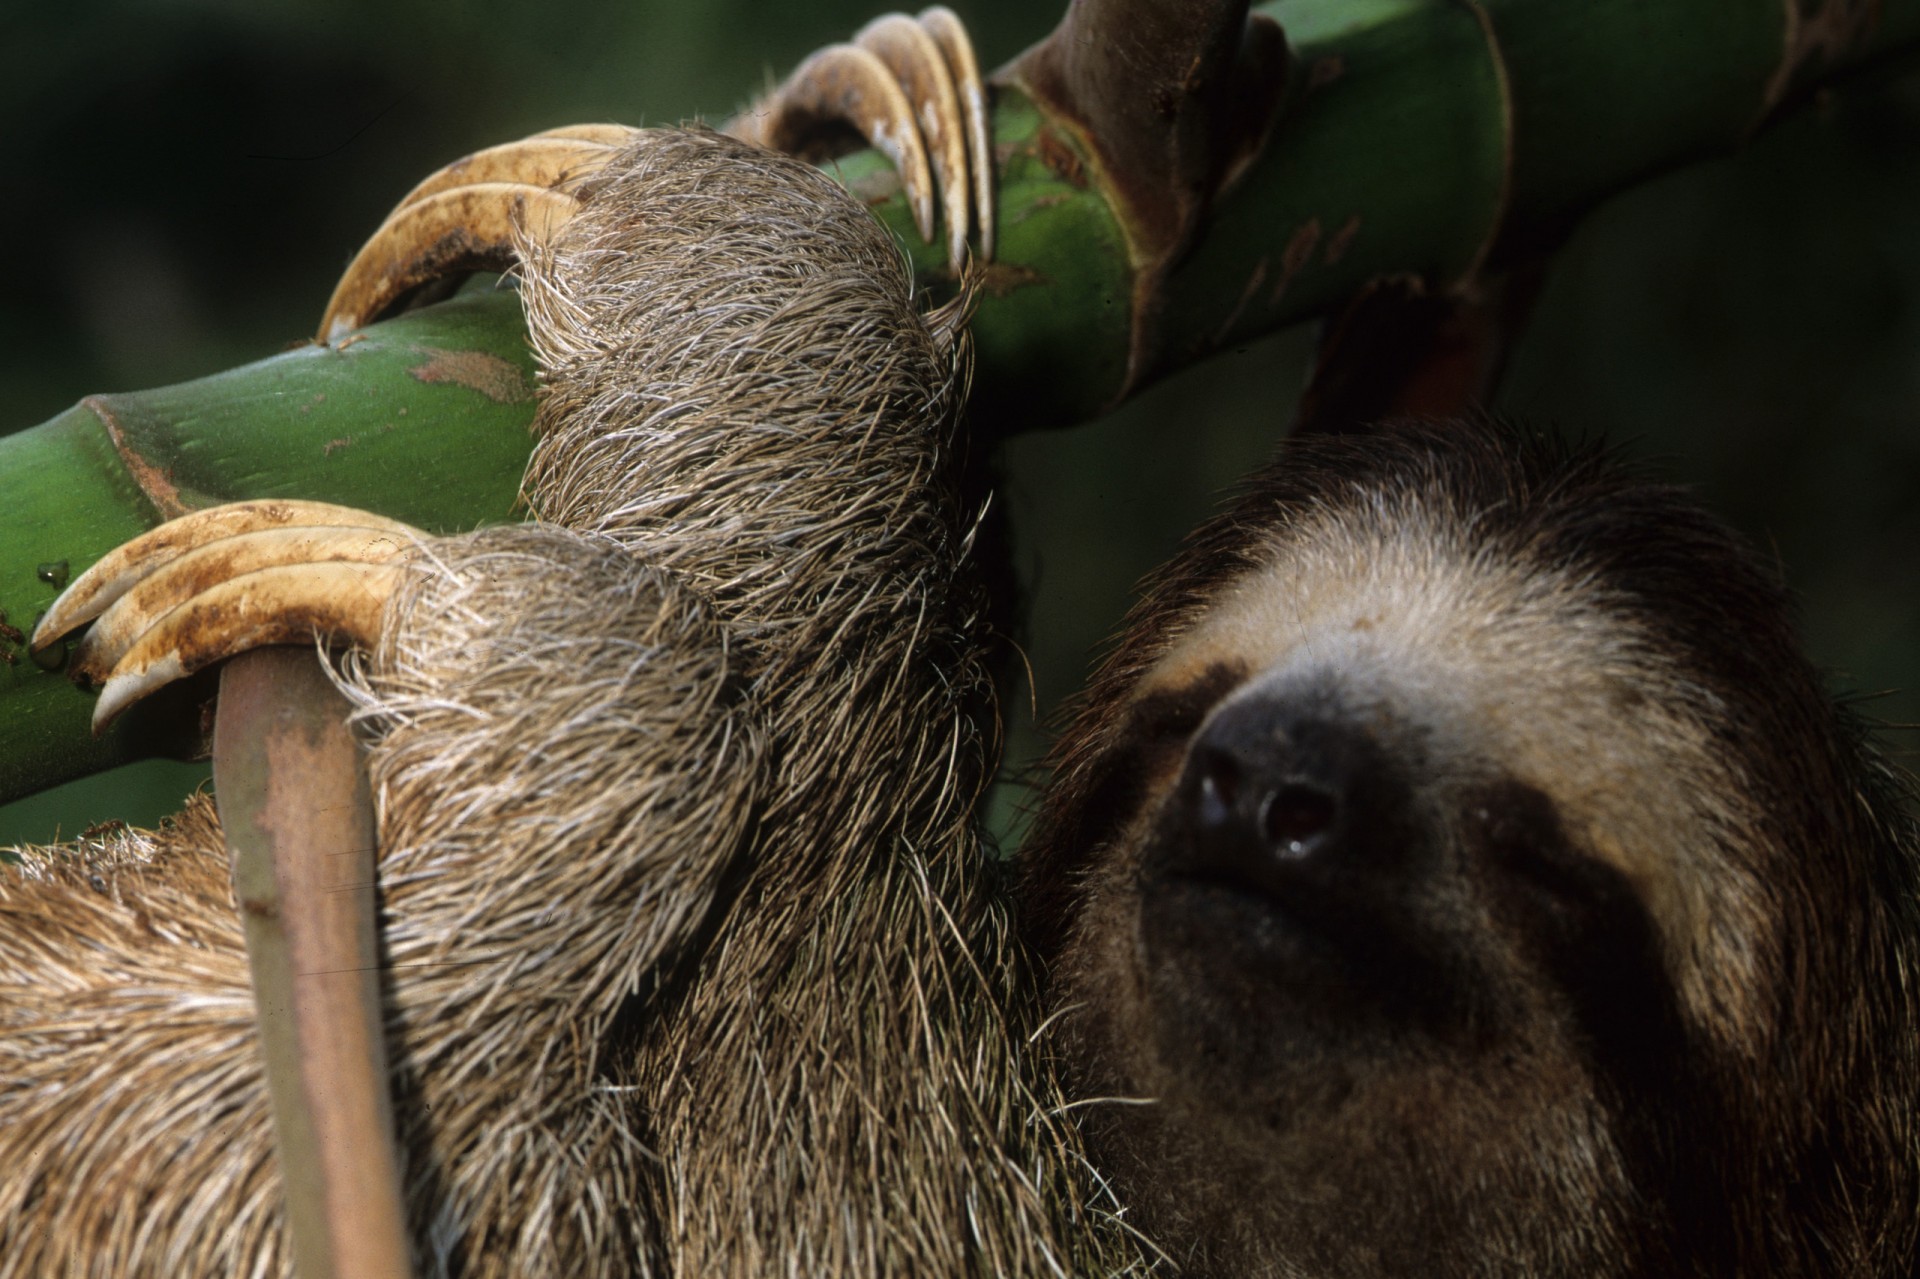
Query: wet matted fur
[[693, 963], [1461, 855]]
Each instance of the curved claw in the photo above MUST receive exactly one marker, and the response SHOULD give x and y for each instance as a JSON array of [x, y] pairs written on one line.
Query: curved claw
[[120, 569], [287, 604], [216, 582], [464, 217], [912, 89], [845, 84], [612, 136], [951, 35], [547, 160], [912, 55], [148, 602]]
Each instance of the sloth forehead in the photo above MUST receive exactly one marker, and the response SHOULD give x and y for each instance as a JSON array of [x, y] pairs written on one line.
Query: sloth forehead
[[1529, 669]]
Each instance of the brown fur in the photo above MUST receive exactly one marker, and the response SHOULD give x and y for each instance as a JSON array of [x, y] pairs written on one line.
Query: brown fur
[[1603, 965], [694, 966]]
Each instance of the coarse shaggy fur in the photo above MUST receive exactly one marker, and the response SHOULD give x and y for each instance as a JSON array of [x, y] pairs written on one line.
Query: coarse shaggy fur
[[694, 965], [1598, 955]]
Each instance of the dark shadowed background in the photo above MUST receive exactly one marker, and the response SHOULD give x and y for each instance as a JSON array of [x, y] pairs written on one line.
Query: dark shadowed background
[[182, 182]]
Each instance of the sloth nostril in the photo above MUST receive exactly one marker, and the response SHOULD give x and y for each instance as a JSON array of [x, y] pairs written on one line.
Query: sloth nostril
[[1294, 816], [1219, 789]]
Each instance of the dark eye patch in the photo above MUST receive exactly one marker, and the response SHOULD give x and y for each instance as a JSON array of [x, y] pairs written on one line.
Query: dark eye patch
[[1594, 939], [1176, 713], [1158, 723], [1524, 840], [1154, 728], [1585, 925]]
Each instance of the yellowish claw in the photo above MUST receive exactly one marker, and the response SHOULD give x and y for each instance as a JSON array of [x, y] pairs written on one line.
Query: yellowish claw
[[911, 88], [844, 84], [464, 218], [285, 605], [216, 582], [116, 572], [951, 35], [544, 161], [911, 54], [147, 603]]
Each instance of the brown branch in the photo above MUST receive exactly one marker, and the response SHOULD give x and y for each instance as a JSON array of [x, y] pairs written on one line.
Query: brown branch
[[298, 817]]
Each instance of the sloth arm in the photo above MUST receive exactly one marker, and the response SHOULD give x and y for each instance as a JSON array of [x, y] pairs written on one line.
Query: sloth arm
[[910, 87], [217, 582]]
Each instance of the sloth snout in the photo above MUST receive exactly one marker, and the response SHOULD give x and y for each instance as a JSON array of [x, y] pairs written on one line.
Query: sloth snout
[[1283, 790], [1248, 793]]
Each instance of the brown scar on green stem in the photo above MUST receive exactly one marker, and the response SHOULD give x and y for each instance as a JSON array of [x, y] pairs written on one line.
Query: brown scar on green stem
[[1040, 204], [1000, 279], [154, 482], [1255, 279], [1053, 151], [12, 639], [490, 375]]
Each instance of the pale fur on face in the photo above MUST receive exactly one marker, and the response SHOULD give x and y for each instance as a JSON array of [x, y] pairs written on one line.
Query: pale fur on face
[[1528, 665]]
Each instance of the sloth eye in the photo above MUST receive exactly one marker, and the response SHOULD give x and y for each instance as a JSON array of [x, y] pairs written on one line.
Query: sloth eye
[[1589, 931], [1523, 837], [1156, 727], [1159, 722], [1578, 907]]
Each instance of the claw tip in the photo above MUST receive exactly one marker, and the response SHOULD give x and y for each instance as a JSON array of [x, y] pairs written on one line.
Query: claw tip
[[122, 691], [50, 627]]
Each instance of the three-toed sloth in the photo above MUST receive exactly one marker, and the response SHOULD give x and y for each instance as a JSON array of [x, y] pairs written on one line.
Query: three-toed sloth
[[1461, 855]]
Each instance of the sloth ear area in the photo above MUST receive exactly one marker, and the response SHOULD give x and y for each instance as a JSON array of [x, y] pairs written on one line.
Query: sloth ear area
[[216, 582], [911, 87]]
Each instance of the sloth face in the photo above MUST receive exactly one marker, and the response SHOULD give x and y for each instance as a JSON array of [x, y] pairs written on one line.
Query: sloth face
[[1427, 908]]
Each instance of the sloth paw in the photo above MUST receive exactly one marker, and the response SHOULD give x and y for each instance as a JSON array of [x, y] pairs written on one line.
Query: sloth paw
[[912, 88], [463, 219], [213, 583]]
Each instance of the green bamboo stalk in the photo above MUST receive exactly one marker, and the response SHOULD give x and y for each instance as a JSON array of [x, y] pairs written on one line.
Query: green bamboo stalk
[[1433, 141], [1415, 140], [425, 419]]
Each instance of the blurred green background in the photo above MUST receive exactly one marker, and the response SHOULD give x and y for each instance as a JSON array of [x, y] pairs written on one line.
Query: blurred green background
[[183, 180]]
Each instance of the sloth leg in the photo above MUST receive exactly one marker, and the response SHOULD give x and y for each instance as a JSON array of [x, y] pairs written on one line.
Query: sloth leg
[[911, 87], [213, 583]]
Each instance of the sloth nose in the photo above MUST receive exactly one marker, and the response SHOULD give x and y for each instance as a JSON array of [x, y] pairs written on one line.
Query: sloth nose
[[1275, 789], [1252, 796]]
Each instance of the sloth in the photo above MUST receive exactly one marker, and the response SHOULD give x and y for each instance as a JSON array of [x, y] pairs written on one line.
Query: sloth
[[1457, 869]]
